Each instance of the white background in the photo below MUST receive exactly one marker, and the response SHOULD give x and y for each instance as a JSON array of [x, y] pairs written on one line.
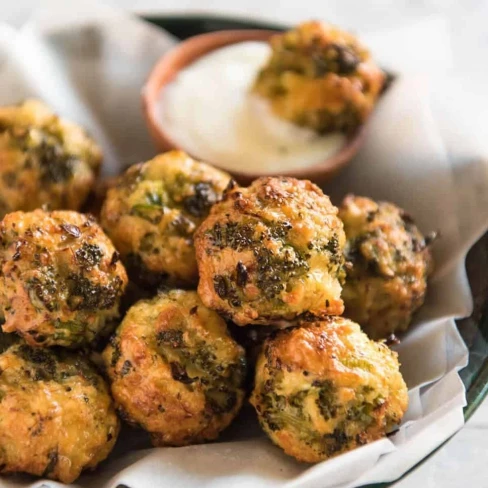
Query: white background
[[463, 462]]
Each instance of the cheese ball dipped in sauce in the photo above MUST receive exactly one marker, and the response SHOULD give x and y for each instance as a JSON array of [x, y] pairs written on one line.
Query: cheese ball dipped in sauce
[[44, 160], [56, 414], [272, 253], [61, 279], [325, 388], [153, 211], [320, 77], [389, 261], [175, 371]]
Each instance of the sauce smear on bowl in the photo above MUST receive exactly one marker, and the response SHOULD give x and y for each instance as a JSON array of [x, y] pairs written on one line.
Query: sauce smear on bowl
[[209, 111]]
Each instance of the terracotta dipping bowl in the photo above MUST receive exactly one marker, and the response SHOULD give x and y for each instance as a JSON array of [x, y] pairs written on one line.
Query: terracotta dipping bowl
[[189, 51]]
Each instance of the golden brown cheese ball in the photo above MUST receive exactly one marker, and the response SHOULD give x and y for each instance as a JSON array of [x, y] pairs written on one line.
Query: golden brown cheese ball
[[61, 279], [56, 414], [325, 388], [44, 160], [320, 77], [175, 371], [153, 211], [390, 262], [272, 253]]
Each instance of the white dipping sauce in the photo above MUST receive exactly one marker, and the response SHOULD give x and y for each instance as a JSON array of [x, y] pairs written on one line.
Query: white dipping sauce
[[208, 111]]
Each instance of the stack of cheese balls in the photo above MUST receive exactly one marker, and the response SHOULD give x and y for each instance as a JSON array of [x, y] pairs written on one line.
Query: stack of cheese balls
[[61, 282], [209, 257], [171, 365]]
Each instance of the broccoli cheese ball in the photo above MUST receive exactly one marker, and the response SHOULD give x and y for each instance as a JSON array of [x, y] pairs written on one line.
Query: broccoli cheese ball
[[175, 370], [56, 414], [44, 160], [272, 253], [320, 77], [153, 211], [325, 388], [389, 261], [60, 280]]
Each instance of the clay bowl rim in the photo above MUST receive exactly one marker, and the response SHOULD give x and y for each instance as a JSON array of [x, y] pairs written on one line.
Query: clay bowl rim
[[187, 52]]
